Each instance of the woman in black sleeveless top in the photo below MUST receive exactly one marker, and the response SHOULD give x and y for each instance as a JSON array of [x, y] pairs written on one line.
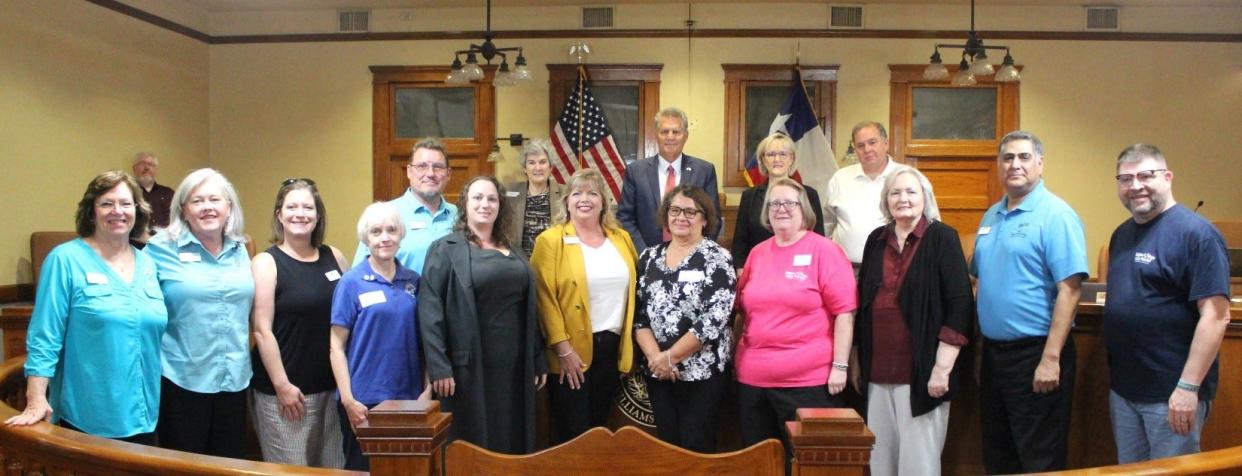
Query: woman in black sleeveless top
[[294, 406]]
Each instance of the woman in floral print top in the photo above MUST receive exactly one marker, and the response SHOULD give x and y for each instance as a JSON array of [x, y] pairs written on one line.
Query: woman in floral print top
[[681, 321]]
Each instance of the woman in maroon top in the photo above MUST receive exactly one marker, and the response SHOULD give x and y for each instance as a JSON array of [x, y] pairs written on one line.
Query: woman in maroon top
[[915, 309]]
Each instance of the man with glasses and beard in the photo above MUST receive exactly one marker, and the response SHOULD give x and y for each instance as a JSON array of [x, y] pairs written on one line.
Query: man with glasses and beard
[[1166, 313], [425, 212]]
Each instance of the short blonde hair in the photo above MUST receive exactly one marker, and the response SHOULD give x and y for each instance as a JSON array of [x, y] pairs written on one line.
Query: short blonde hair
[[930, 210], [808, 213], [594, 179], [772, 142]]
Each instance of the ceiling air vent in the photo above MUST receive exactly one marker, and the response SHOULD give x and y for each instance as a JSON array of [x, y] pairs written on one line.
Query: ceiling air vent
[[847, 17], [597, 17], [353, 20], [1103, 19]]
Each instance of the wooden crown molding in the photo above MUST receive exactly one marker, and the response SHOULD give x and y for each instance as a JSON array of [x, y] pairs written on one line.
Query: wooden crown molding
[[175, 27]]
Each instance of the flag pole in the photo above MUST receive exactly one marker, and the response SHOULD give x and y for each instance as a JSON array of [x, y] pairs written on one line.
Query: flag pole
[[581, 112]]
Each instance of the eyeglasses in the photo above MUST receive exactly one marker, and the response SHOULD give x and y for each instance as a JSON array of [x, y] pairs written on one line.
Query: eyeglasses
[[784, 154], [116, 205], [788, 205], [1144, 177], [426, 166], [678, 211], [291, 181]]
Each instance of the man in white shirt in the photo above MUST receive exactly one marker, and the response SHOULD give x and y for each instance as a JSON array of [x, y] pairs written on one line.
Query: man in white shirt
[[852, 198]]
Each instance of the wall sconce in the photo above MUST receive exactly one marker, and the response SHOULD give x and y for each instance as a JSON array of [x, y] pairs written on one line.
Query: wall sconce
[[515, 140]]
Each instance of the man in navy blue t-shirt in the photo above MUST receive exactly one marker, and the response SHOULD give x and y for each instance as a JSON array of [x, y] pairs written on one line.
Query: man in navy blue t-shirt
[[1165, 316]]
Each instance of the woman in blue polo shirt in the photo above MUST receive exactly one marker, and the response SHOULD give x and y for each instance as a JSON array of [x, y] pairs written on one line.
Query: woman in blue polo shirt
[[94, 337], [374, 343], [204, 271]]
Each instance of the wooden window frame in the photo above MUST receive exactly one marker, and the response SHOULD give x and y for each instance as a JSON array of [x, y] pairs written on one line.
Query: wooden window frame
[[467, 157], [645, 76], [739, 76], [903, 80]]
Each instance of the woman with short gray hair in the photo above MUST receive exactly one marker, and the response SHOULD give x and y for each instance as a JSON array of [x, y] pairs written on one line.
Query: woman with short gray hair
[[533, 201]]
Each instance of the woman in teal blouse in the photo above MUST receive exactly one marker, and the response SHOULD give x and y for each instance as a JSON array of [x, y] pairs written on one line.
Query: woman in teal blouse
[[204, 272], [94, 337]]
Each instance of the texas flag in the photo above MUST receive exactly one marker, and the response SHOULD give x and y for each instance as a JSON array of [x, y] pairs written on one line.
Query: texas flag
[[797, 119]]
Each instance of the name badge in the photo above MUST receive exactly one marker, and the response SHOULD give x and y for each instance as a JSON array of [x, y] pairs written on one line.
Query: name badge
[[690, 276], [190, 257], [96, 278], [572, 240], [983, 230], [1100, 297], [802, 260], [372, 298], [512, 194], [418, 225], [333, 275]]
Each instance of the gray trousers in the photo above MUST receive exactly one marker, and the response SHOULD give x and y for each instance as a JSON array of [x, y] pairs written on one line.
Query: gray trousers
[[315, 440]]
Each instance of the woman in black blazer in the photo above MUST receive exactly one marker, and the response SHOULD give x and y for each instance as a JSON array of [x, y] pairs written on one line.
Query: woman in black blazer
[[915, 310], [776, 160]]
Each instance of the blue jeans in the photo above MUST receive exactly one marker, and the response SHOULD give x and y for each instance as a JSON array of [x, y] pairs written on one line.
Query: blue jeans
[[1142, 430]]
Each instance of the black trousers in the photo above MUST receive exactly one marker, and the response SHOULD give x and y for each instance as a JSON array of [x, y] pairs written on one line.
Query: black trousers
[[354, 459], [685, 412], [763, 411], [1023, 431], [574, 412], [147, 439], [204, 423]]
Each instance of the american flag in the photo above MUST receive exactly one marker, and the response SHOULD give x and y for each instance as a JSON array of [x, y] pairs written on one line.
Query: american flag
[[582, 138]]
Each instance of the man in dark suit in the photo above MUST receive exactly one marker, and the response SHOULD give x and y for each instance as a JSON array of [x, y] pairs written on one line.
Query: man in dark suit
[[648, 179]]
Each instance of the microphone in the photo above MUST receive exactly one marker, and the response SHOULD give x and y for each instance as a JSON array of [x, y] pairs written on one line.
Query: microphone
[[1197, 206]]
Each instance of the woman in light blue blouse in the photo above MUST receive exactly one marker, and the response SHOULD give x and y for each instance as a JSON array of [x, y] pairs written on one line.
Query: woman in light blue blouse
[[204, 272], [94, 337]]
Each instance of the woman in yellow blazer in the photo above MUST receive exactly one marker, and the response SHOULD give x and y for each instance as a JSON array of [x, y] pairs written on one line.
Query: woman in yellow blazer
[[584, 267]]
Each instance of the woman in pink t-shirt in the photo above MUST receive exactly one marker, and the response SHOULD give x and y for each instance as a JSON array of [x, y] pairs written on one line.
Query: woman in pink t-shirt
[[798, 296]]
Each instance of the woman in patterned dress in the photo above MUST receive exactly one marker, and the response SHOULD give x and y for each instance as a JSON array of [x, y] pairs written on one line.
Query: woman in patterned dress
[[681, 321]]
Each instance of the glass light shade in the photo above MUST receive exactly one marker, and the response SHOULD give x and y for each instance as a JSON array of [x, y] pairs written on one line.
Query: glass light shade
[[963, 78], [456, 76], [521, 72], [495, 156], [981, 67], [936, 72], [473, 72], [504, 79], [1008, 74]]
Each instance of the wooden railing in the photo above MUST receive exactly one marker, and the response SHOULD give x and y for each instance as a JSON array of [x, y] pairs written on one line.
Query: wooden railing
[[400, 437], [407, 438]]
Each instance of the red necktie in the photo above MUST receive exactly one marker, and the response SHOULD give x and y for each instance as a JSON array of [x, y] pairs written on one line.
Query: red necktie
[[670, 182]]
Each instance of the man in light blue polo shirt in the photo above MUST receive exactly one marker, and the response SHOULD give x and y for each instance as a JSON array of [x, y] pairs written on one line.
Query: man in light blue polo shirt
[[427, 215], [1030, 259]]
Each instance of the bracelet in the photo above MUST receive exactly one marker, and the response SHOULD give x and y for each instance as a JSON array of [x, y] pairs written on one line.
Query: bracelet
[[668, 354], [565, 354], [1187, 386], [840, 366]]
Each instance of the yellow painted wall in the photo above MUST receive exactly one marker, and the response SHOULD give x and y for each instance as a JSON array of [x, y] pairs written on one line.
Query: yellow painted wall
[[265, 112], [304, 109], [81, 90]]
